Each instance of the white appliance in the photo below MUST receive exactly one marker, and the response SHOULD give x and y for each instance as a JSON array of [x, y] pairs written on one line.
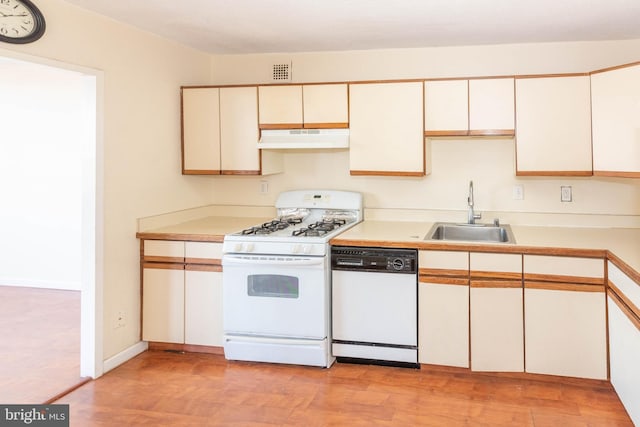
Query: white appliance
[[375, 305], [276, 279], [274, 139]]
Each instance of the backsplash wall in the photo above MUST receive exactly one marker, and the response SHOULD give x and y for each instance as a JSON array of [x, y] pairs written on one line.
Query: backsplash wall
[[489, 163]]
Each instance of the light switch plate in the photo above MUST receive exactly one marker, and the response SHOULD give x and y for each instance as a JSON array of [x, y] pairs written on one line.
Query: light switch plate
[[565, 193], [518, 192]]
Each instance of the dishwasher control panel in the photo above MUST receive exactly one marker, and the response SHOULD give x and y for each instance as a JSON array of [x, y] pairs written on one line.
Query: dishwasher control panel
[[383, 260]]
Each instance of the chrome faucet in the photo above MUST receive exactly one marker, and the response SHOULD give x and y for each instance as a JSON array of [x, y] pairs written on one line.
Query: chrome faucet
[[472, 216]]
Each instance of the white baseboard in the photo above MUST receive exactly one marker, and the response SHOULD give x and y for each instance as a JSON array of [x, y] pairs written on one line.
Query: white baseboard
[[124, 355]]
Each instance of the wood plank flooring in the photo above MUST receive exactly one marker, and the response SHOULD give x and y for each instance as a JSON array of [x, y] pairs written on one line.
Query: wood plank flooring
[[40, 345], [171, 389]]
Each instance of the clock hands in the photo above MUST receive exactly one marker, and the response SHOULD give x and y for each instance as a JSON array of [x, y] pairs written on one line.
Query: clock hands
[[4, 15]]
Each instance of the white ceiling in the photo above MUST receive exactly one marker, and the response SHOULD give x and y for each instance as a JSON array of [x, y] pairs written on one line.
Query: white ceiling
[[262, 26]]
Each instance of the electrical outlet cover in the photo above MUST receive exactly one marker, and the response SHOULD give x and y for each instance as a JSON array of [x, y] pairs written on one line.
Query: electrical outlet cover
[[565, 193]]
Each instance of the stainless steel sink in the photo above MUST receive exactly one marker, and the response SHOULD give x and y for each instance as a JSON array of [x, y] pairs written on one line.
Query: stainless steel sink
[[484, 233]]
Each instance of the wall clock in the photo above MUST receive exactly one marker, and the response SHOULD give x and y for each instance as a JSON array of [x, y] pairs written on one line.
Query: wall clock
[[20, 21]]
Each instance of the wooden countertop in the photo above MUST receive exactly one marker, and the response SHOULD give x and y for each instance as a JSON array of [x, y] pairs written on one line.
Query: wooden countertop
[[621, 245], [209, 229]]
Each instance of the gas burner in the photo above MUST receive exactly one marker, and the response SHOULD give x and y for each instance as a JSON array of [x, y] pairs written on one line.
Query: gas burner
[[310, 231], [267, 228], [319, 228]]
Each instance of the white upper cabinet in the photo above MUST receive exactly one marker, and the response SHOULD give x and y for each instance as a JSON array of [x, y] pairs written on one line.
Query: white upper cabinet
[[615, 96], [200, 131], [220, 133], [325, 106], [446, 107], [491, 107], [386, 123], [469, 107], [553, 126], [280, 106], [304, 106]]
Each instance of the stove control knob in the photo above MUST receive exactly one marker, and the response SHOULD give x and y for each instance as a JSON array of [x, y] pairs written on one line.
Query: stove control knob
[[250, 247], [306, 249], [295, 249], [237, 247]]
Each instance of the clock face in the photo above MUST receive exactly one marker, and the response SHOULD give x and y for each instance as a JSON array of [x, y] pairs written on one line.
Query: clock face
[[20, 21]]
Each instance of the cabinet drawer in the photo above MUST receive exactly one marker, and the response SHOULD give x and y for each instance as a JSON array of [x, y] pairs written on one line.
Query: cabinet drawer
[[443, 263], [503, 266], [163, 250], [564, 269], [628, 287], [203, 253]]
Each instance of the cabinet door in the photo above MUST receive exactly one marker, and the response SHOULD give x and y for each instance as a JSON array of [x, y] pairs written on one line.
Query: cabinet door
[[280, 107], [239, 130], [446, 107], [163, 303], [491, 107], [497, 330], [565, 330], [624, 354], [325, 106], [615, 96], [386, 136], [553, 126], [203, 305], [200, 131], [443, 322]]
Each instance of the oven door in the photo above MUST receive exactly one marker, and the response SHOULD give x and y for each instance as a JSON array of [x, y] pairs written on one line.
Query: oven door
[[275, 296]]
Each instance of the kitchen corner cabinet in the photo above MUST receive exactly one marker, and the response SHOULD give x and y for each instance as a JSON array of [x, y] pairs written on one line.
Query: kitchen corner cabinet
[[615, 97], [386, 129], [220, 133], [476, 107], [310, 106], [496, 316], [553, 131], [443, 308], [182, 292], [201, 130], [624, 339], [565, 316]]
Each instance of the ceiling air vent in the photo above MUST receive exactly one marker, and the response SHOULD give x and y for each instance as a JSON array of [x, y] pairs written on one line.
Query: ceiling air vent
[[281, 72]]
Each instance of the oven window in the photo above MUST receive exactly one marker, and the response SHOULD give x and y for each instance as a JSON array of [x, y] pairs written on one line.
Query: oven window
[[272, 285]]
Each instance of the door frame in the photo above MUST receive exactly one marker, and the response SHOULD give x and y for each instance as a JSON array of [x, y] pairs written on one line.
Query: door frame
[[91, 299]]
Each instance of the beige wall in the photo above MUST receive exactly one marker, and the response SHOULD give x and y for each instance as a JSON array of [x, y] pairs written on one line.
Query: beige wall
[[141, 110], [490, 163]]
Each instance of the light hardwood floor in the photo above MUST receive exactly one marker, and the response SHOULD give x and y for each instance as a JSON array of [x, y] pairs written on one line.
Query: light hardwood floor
[[40, 345], [170, 389]]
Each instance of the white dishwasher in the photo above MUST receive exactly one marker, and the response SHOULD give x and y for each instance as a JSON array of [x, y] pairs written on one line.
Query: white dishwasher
[[375, 305]]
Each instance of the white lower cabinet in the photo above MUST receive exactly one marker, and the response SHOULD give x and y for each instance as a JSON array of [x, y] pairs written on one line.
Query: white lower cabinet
[[443, 322], [203, 307], [624, 354], [565, 330], [497, 330], [182, 302], [163, 303], [497, 335]]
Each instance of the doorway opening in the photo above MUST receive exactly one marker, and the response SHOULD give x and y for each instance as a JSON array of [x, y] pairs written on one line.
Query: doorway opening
[[50, 168]]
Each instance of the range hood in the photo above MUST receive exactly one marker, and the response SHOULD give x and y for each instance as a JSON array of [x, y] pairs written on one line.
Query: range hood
[[279, 139]]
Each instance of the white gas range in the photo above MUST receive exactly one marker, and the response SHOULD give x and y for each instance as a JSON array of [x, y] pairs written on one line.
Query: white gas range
[[276, 279]]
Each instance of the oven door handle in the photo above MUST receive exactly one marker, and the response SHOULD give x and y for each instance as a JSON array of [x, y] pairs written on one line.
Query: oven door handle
[[229, 260]]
